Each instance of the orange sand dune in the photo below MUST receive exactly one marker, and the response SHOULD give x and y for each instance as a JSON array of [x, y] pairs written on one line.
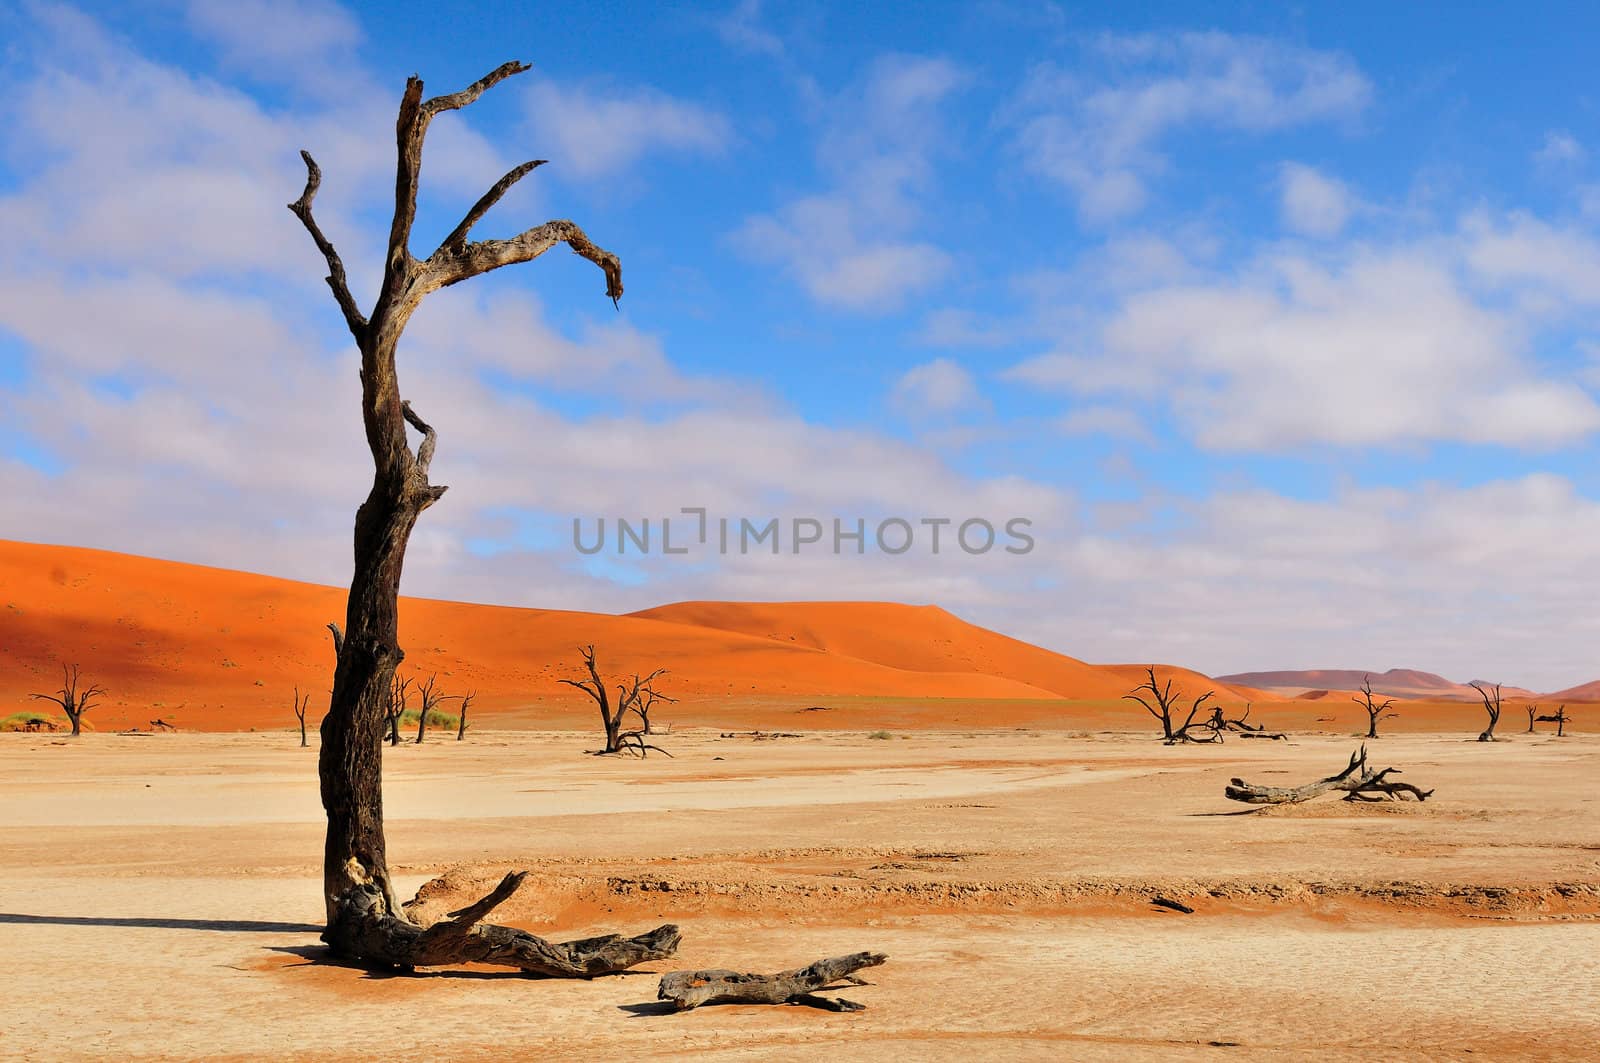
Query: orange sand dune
[[212, 649], [925, 639]]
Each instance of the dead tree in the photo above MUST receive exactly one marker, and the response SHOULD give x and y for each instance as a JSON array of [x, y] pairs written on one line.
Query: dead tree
[[1165, 701], [1490, 706], [73, 701], [300, 707], [619, 739], [647, 698], [1375, 711], [690, 989], [1357, 781], [1241, 727], [365, 919], [431, 700], [1533, 710], [394, 707], [1559, 718], [461, 721]]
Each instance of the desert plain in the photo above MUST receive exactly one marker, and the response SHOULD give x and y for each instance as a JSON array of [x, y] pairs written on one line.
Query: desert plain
[[878, 777], [161, 897]]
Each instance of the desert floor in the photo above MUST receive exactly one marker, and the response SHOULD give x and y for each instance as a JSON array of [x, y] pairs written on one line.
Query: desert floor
[[160, 897]]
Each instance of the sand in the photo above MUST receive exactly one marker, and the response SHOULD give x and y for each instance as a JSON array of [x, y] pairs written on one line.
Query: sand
[[215, 650], [161, 897]]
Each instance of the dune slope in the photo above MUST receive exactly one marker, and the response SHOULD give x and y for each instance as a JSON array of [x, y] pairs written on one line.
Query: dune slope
[[212, 649]]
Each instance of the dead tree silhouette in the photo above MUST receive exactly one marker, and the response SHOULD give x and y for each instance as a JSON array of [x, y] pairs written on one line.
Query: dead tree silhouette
[[365, 919], [73, 701]]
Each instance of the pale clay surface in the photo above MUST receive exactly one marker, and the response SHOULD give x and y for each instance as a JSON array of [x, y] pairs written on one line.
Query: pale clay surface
[[160, 896]]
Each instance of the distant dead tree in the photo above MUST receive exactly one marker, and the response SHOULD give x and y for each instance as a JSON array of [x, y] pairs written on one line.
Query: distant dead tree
[[300, 707], [1241, 726], [431, 700], [1165, 703], [1559, 718], [395, 707], [73, 701], [461, 720], [1533, 710], [365, 918], [613, 714], [1375, 710], [647, 698], [1490, 706]]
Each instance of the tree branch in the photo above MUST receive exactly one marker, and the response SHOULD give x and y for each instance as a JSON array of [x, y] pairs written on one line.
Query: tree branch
[[430, 438], [456, 100], [411, 128], [336, 276], [458, 235], [452, 265]]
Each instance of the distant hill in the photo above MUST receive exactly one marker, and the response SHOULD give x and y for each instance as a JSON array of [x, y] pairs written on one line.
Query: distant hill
[[1582, 692], [212, 649], [1394, 683]]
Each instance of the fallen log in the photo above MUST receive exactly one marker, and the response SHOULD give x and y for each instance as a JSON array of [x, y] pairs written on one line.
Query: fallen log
[[690, 989], [1357, 781], [364, 929]]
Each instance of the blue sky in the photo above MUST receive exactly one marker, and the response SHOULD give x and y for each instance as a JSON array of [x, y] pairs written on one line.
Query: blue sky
[[1278, 323]]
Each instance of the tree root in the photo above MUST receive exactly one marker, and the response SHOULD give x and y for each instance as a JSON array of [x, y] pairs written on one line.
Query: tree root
[[364, 929], [1358, 782], [690, 989]]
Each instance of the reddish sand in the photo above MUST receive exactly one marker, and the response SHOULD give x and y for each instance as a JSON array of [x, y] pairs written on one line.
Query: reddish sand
[[214, 650], [211, 649]]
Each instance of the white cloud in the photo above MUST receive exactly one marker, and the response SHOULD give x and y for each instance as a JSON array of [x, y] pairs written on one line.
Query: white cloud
[[591, 131], [816, 240], [1554, 265], [1559, 148], [1116, 422], [1458, 580], [742, 30], [1377, 349], [1313, 204], [850, 247], [293, 41], [937, 387], [1101, 136]]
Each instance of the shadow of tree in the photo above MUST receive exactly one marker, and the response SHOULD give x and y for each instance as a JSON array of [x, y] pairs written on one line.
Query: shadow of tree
[[321, 956]]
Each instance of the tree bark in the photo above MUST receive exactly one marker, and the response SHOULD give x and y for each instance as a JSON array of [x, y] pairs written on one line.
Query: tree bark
[[1357, 781], [366, 929], [690, 989], [364, 915]]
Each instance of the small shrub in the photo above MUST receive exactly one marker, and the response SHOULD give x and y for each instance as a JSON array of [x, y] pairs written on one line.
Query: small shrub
[[435, 718], [880, 734], [32, 721]]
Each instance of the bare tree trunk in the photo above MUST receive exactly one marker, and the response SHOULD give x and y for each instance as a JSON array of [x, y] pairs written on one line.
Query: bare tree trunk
[[1491, 705], [364, 914], [461, 721], [1375, 710], [1357, 781], [73, 702]]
